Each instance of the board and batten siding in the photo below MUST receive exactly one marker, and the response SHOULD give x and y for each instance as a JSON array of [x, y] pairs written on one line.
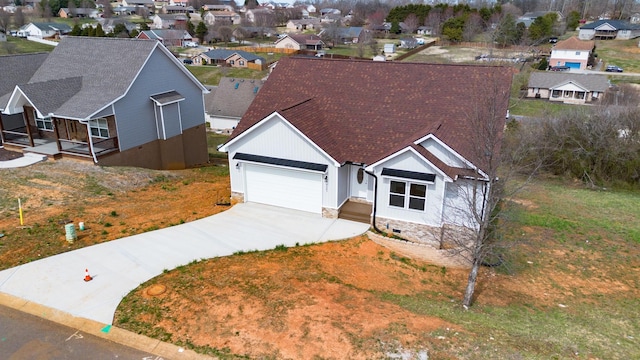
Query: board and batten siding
[[135, 115], [170, 116], [432, 215], [275, 138]]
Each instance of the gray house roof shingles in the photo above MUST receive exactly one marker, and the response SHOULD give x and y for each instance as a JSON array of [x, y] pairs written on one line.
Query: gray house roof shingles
[[232, 97], [17, 70], [548, 80], [617, 24], [223, 54]]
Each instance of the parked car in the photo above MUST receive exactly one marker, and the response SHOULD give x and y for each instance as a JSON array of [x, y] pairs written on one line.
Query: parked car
[[190, 44], [560, 68], [613, 68], [553, 40], [187, 61]]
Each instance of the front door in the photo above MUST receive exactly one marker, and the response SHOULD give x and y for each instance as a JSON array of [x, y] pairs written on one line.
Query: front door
[[359, 181]]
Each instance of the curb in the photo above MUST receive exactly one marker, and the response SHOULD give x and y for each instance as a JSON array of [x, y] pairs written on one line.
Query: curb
[[120, 336]]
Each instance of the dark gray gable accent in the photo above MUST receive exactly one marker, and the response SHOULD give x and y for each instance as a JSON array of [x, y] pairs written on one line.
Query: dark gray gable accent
[[282, 162], [409, 174], [167, 97]]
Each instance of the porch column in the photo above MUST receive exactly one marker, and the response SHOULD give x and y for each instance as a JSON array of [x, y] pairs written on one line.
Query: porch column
[[26, 118], [55, 131]]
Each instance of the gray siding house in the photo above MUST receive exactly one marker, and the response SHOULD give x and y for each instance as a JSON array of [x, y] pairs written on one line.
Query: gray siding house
[[569, 88], [81, 103]]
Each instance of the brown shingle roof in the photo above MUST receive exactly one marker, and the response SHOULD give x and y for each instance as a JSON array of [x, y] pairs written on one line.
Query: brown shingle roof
[[363, 111], [573, 43]]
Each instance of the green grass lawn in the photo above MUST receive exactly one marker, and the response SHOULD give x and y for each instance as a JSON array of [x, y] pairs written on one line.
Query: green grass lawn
[[213, 141], [537, 107], [623, 53], [15, 45], [210, 75]]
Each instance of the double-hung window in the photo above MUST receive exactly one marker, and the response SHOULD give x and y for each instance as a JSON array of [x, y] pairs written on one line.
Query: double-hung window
[[407, 195], [44, 123], [99, 128]]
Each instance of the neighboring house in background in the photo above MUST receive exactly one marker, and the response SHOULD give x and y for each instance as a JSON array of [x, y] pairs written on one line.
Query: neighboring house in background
[[233, 58], [350, 35], [389, 49], [572, 52], [178, 9], [108, 25], [528, 18], [609, 30], [300, 42], [303, 24], [139, 3], [46, 30], [635, 18], [252, 14], [229, 17], [218, 7], [169, 21], [329, 11], [78, 13], [321, 137], [226, 104], [167, 37], [424, 30], [566, 87], [76, 106]]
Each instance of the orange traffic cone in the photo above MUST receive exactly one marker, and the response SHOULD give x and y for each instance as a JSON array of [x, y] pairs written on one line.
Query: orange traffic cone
[[87, 277]]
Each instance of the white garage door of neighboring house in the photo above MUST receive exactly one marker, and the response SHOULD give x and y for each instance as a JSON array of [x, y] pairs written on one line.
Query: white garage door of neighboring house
[[573, 65], [289, 188]]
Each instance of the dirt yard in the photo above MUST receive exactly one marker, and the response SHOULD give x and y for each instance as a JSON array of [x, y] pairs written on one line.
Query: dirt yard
[[353, 299]]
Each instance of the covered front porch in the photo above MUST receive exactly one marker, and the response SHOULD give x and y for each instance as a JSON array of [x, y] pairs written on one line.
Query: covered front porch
[[58, 138]]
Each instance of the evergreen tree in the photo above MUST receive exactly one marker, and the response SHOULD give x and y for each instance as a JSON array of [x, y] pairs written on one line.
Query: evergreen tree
[[99, 31], [201, 31]]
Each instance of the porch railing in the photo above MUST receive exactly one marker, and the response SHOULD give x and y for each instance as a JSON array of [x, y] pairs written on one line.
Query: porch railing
[[18, 136], [100, 146]]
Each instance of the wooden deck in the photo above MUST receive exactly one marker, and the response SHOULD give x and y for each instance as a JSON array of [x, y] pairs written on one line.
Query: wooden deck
[[356, 211]]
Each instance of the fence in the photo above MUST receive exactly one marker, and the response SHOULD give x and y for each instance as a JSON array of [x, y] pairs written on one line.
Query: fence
[[265, 49]]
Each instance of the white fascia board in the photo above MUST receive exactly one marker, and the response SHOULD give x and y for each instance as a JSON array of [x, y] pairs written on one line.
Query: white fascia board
[[13, 100], [455, 153], [371, 167], [274, 115]]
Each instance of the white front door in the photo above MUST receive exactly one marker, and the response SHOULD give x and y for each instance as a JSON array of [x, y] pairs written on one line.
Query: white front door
[[359, 181]]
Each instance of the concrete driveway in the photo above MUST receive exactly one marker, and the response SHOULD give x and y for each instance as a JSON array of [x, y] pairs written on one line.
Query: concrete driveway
[[119, 266]]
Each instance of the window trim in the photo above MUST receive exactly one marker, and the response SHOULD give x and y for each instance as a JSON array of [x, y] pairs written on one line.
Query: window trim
[[95, 124], [45, 120], [407, 196]]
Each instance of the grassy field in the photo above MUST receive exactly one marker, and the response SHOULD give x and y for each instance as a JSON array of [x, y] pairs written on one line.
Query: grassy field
[[625, 54], [570, 290], [15, 45], [210, 75]]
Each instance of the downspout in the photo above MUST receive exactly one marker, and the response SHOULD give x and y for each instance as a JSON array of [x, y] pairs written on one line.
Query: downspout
[[93, 153], [375, 199]]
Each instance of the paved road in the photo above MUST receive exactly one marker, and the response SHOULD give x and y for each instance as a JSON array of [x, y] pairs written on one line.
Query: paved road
[[24, 336]]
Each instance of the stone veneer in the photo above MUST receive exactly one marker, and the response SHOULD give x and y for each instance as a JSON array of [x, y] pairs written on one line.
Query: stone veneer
[[444, 237], [236, 198], [330, 213]]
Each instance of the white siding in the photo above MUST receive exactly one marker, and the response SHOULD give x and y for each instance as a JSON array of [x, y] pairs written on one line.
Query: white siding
[[442, 153], [434, 198], [275, 138], [458, 199]]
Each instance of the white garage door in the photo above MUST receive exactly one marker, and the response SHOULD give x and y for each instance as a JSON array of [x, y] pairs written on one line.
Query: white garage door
[[289, 188]]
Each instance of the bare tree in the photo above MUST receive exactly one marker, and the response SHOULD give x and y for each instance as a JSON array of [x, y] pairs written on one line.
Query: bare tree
[[19, 18], [474, 200], [71, 6], [225, 33], [434, 21], [472, 27], [411, 23], [5, 20]]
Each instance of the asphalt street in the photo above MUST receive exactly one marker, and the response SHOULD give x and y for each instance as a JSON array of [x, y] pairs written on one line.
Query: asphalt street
[[28, 337]]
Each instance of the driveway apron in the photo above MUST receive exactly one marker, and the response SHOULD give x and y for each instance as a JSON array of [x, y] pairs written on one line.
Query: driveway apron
[[119, 266]]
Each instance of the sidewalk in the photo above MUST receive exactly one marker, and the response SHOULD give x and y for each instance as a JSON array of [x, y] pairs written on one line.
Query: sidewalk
[[119, 266], [26, 160]]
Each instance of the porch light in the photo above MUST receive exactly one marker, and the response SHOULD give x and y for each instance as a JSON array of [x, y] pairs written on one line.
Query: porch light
[[326, 178]]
